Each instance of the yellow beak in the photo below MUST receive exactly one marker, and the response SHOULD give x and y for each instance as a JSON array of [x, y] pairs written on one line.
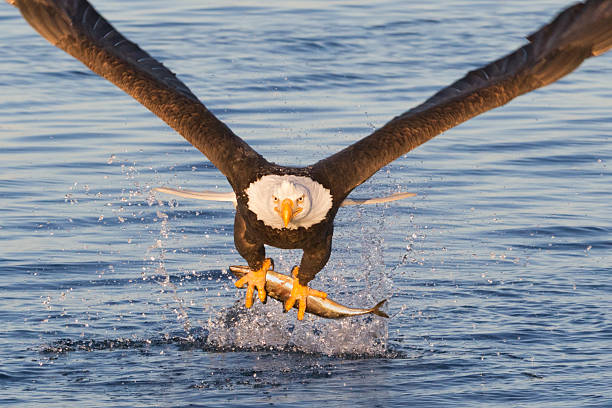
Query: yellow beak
[[286, 211]]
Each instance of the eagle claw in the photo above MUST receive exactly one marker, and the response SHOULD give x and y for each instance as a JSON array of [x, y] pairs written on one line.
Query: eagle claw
[[300, 293], [255, 279]]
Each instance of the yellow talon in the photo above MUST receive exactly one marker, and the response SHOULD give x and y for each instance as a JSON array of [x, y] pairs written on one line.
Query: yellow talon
[[300, 293], [255, 279]]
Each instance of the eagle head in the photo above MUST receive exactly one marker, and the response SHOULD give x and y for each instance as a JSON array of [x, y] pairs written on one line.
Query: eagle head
[[291, 201], [288, 201]]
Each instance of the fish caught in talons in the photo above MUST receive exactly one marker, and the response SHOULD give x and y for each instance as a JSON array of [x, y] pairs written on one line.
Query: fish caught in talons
[[278, 286]]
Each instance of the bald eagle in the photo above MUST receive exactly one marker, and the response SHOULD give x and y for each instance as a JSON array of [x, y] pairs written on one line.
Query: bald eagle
[[295, 207]]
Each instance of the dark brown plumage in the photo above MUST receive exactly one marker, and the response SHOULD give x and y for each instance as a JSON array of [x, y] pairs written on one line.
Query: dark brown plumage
[[579, 32]]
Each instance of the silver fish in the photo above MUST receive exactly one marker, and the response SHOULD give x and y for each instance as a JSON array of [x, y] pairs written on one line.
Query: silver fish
[[278, 286]]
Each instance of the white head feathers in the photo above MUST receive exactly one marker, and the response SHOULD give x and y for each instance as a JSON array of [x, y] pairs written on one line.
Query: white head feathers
[[313, 199]]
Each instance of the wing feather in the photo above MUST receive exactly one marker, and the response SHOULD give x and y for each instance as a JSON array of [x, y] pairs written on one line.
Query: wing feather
[[579, 32], [77, 28]]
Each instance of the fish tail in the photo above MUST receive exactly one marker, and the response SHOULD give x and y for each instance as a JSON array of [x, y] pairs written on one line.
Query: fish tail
[[376, 309]]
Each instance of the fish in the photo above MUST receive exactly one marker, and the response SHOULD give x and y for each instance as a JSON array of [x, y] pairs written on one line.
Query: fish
[[278, 286]]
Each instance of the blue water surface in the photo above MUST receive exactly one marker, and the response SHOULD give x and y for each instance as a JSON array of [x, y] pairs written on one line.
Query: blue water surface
[[498, 273]]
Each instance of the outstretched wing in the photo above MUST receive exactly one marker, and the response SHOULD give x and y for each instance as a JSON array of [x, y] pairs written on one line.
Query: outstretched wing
[[77, 28], [579, 32]]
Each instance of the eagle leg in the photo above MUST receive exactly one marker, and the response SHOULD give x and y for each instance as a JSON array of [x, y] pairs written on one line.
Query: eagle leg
[[300, 293], [255, 279]]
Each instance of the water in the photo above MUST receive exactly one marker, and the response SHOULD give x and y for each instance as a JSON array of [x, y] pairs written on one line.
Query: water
[[498, 272]]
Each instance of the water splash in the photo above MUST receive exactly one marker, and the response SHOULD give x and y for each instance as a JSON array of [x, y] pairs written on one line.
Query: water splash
[[266, 326]]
